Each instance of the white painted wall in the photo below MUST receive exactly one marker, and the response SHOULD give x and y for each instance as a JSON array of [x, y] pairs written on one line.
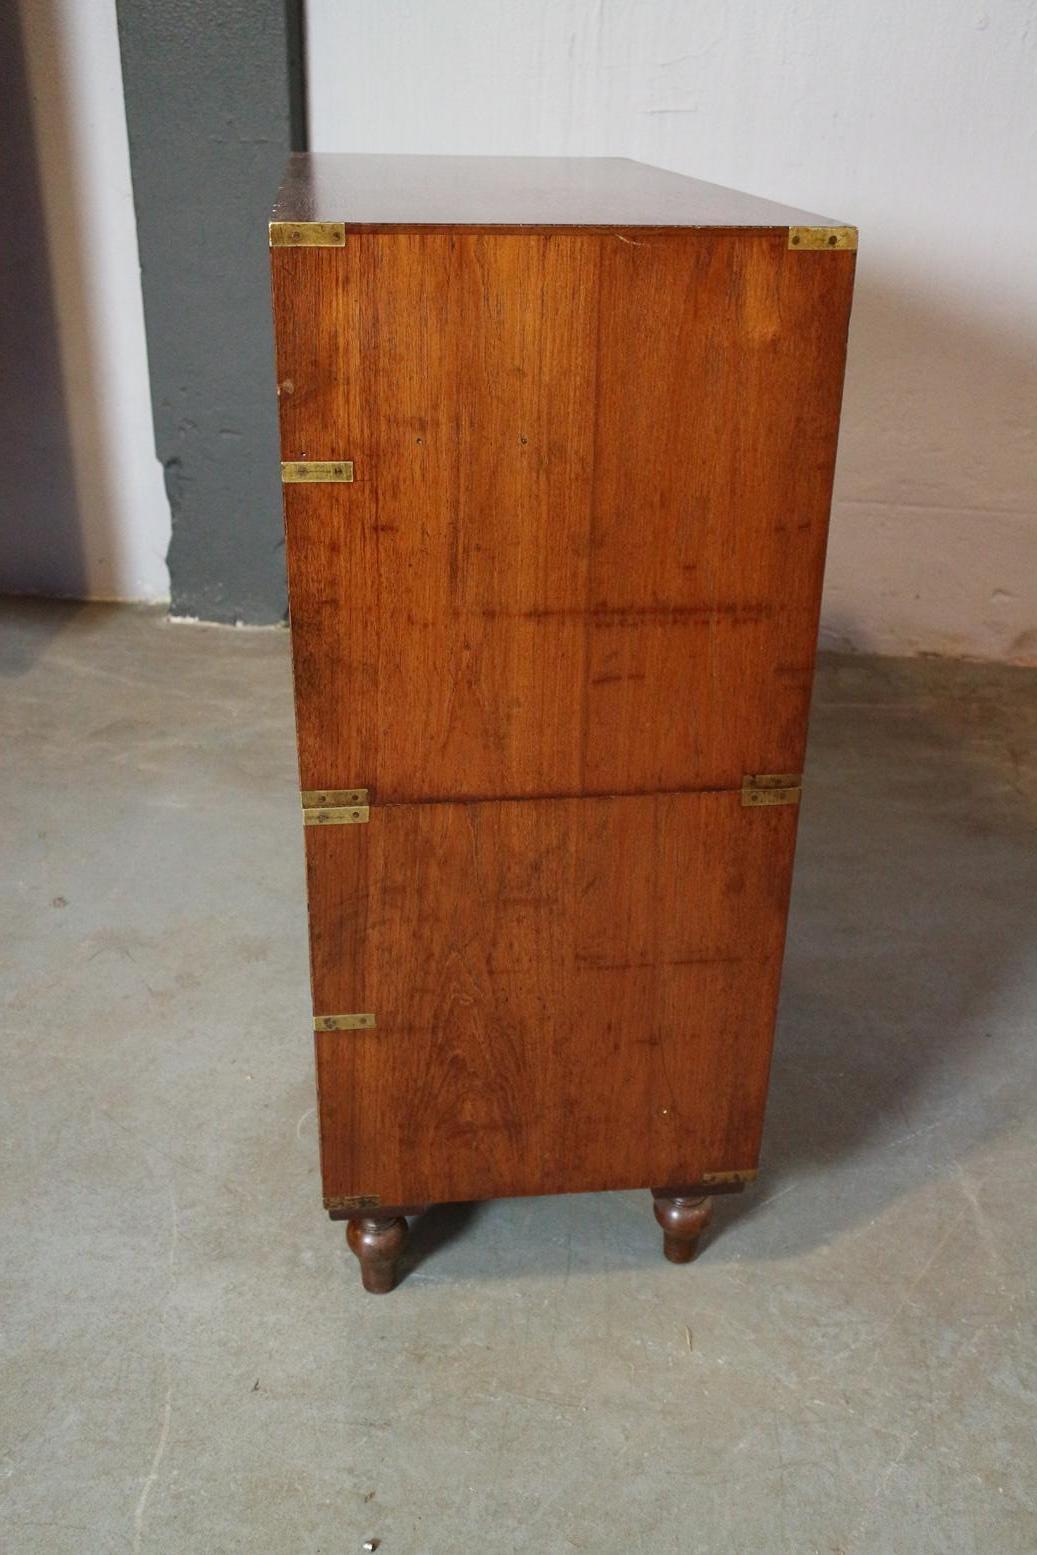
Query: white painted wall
[[916, 122], [113, 545]]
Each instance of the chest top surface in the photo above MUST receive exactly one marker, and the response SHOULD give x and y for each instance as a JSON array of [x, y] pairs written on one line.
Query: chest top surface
[[371, 191]]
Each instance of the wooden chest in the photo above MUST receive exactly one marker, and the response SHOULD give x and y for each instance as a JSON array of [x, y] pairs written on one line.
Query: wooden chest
[[558, 442]]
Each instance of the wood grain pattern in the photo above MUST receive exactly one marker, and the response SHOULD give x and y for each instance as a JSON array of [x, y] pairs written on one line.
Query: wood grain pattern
[[569, 994], [583, 547], [370, 192], [568, 601]]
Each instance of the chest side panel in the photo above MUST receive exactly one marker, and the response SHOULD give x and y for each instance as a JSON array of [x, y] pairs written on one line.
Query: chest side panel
[[567, 994], [582, 549]]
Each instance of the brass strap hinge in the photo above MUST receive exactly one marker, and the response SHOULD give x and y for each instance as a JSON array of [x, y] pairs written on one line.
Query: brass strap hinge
[[334, 806], [307, 234], [343, 1022], [760, 788], [823, 237], [335, 1203], [295, 471]]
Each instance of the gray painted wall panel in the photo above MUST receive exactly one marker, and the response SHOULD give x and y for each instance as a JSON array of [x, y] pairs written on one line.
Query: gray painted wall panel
[[212, 100]]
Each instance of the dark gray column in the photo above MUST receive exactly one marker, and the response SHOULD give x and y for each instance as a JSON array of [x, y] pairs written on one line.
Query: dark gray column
[[213, 104]]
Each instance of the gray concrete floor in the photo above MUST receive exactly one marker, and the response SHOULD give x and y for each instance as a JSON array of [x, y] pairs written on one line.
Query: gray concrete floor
[[188, 1362]]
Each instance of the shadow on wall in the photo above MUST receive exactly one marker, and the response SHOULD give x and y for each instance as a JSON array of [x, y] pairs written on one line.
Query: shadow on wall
[[63, 494], [934, 525]]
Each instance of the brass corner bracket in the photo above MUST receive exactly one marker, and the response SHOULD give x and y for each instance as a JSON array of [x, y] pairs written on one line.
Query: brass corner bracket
[[335, 806], [337, 1205], [296, 471], [321, 798], [823, 237], [343, 1022], [769, 788], [307, 234]]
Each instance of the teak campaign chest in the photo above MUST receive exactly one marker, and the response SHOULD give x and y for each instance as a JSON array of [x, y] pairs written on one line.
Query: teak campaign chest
[[558, 440]]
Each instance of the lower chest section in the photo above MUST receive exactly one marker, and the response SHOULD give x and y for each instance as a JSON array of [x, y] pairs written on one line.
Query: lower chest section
[[532, 996]]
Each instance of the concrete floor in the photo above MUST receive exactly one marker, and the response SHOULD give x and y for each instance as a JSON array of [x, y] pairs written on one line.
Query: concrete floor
[[189, 1364]]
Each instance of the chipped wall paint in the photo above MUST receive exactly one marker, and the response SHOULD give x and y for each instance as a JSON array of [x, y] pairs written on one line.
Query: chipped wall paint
[[917, 123]]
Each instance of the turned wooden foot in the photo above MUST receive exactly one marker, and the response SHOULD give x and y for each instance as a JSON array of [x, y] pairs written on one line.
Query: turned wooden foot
[[683, 1222], [378, 1243]]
